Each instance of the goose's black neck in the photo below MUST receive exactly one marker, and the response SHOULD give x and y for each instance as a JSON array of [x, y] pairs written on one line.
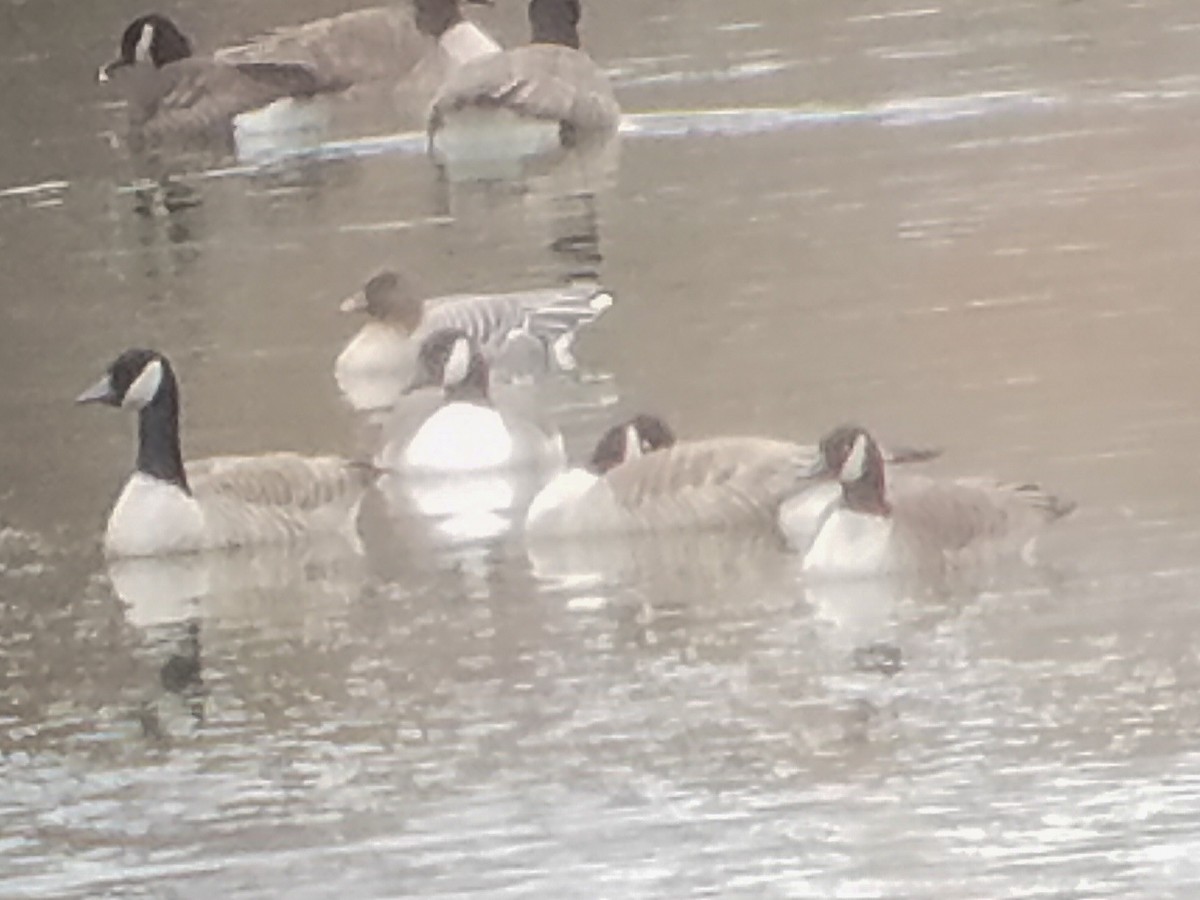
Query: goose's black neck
[[869, 493], [555, 22], [159, 454]]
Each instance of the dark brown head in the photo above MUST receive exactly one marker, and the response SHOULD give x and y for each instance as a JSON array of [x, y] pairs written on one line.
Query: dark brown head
[[850, 454], [640, 435], [388, 297], [151, 39], [449, 359], [555, 22]]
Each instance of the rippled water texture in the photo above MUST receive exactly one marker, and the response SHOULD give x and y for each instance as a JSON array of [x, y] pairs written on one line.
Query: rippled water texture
[[969, 224]]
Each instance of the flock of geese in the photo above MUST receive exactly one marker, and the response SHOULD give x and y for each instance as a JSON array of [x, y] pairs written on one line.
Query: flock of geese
[[847, 505]]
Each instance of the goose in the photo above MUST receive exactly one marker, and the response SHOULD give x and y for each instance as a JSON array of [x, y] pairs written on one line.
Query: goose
[[640, 479], [520, 333], [917, 524], [409, 40], [467, 433], [170, 93], [221, 502], [534, 99]]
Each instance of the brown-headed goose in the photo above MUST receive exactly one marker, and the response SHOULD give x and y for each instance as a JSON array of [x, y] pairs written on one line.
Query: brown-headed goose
[[172, 94], [917, 524], [410, 39], [467, 433], [229, 501], [526, 101], [521, 333]]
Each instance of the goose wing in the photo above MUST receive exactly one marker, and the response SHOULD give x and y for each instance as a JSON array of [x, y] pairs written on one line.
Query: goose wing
[[198, 94], [952, 515], [355, 47], [280, 480], [546, 313], [277, 498], [721, 482], [541, 81]]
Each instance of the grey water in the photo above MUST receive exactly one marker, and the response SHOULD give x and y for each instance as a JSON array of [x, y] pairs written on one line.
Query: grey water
[[967, 224]]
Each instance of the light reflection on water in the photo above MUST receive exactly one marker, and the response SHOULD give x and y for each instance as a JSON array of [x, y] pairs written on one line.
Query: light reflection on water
[[978, 239]]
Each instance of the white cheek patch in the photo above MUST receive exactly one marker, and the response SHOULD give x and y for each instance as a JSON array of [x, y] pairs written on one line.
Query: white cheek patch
[[856, 463], [141, 53], [144, 387], [458, 363], [633, 443]]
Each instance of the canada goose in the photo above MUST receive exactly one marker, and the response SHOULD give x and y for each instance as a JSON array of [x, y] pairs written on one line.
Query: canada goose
[[467, 433], [383, 43], [917, 524], [520, 333], [171, 93], [225, 501], [710, 484], [641, 480], [535, 99]]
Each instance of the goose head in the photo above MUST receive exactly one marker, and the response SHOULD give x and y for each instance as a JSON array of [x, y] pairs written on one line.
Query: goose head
[[151, 39], [555, 22], [388, 297], [134, 380], [851, 455], [449, 359], [630, 439], [143, 381]]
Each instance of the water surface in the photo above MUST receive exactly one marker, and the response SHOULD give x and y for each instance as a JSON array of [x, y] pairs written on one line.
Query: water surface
[[966, 224]]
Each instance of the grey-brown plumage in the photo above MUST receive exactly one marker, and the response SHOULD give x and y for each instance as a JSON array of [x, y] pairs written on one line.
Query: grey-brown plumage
[[713, 484], [550, 80], [640, 480], [383, 43]]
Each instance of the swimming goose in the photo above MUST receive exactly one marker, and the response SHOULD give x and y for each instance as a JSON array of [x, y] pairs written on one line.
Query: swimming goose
[[709, 484], [529, 100], [641, 480], [466, 433], [228, 501], [171, 93], [917, 524], [519, 333], [408, 39]]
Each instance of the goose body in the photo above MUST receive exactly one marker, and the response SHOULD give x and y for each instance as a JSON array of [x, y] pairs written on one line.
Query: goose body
[[527, 101], [520, 333], [170, 93], [711, 484], [913, 523], [167, 507], [466, 434], [421, 40]]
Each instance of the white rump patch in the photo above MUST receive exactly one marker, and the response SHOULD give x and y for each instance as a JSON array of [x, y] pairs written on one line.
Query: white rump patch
[[145, 386], [458, 363], [856, 463], [141, 52]]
